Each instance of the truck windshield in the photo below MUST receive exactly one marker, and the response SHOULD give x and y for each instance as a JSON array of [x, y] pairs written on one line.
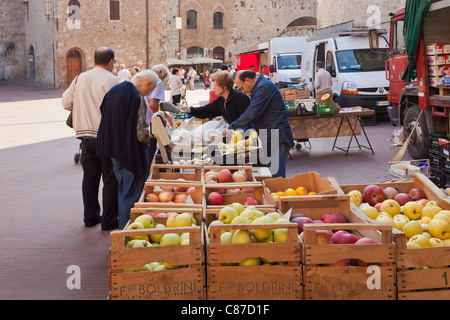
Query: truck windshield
[[362, 60], [289, 62]]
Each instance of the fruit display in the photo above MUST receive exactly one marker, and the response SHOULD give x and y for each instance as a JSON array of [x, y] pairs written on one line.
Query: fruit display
[[227, 175], [247, 193], [290, 192], [171, 192]]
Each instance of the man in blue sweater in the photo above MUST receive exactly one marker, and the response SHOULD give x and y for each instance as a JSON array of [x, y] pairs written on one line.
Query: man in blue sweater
[[266, 111]]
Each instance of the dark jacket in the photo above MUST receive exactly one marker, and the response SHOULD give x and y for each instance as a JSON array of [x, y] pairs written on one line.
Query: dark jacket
[[231, 109], [266, 111]]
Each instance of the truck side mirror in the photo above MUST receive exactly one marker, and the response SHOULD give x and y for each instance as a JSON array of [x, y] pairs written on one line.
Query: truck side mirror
[[272, 68]]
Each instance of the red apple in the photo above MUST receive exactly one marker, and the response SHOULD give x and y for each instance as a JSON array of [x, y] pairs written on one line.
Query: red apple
[[423, 202], [150, 214], [378, 206], [324, 236], [365, 240], [164, 188], [403, 198], [225, 176], [340, 263], [180, 198], [417, 194], [333, 217], [215, 199], [359, 263], [166, 196], [373, 194], [191, 190], [210, 178], [239, 177], [296, 215], [162, 215], [181, 189], [243, 173], [300, 221], [250, 202], [390, 192], [151, 197], [344, 237], [317, 221], [248, 190]]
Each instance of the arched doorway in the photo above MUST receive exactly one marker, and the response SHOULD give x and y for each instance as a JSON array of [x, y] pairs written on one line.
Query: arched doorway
[[31, 64], [73, 65], [194, 52]]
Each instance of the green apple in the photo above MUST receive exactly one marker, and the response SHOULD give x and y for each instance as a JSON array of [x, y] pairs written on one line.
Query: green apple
[[227, 214], [225, 238], [371, 212], [194, 222], [135, 226], [249, 214], [250, 262], [280, 235], [170, 223], [399, 221], [412, 228], [390, 206], [439, 229], [184, 238], [262, 235], [435, 242], [238, 207], [421, 240], [242, 236], [412, 210], [282, 220], [183, 220], [170, 239], [147, 267], [258, 213], [215, 223], [146, 220], [153, 265], [160, 267], [157, 237], [274, 215]]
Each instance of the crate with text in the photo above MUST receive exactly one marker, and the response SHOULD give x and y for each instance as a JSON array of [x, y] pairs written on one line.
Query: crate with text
[[171, 193], [357, 262], [176, 172], [142, 270], [240, 267], [299, 185], [245, 193]]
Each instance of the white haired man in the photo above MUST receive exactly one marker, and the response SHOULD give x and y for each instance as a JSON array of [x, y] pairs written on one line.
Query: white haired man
[[123, 135]]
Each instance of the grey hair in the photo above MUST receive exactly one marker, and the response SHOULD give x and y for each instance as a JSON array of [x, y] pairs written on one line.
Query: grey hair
[[160, 68], [148, 75]]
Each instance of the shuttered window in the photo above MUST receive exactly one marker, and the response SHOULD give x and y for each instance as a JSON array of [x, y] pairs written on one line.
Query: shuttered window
[[114, 10]]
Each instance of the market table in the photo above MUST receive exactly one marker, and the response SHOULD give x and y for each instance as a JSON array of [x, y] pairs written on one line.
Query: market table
[[342, 124]]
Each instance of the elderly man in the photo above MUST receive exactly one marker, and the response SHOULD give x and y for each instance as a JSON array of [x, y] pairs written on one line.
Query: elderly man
[[153, 100], [266, 111], [123, 135], [83, 97]]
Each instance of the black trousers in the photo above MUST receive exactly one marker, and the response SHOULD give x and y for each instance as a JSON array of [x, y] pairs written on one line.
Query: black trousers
[[95, 168], [176, 98]]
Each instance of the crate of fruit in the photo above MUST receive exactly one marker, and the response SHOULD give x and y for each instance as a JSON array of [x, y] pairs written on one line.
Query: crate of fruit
[[243, 264], [299, 185], [176, 172], [171, 194], [348, 261], [228, 174], [161, 214], [151, 261], [251, 212], [246, 193]]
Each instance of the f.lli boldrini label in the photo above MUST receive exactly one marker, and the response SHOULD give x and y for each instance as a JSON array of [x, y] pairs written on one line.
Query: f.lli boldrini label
[[261, 288], [161, 289]]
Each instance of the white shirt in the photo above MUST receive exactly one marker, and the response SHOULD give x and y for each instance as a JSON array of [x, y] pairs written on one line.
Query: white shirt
[[323, 80], [124, 75], [175, 85]]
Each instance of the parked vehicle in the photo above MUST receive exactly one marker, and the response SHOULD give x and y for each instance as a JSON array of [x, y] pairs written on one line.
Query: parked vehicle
[[408, 98], [356, 67]]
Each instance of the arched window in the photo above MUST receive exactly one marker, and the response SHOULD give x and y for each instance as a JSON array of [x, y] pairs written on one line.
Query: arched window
[[191, 19], [219, 53], [194, 52], [218, 20]]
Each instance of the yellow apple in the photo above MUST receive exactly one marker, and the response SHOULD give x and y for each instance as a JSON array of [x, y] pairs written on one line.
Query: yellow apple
[[390, 206], [238, 207], [412, 245], [442, 217], [412, 228], [242, 236], [250, 214], [382, 213], [225, 238], [262, 235], [146, 220], [371, 212], [399, 221], [446, 212], [427, 234], [432, 203], [241, 220], [412, 210], [282, 220], [358, 195], [157, 237], [280, 235], [430, 211], [135, 226], [215, 223], [421, 240], [425, 220], [435, 242], [385, 219], [354, 200], [250, 262], [183, 220], [439, 229], [274, 215], [170, 223], [170, 239], [447, 242]]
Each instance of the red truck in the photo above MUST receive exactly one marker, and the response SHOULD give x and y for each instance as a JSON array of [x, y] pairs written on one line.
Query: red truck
[[426, 92]]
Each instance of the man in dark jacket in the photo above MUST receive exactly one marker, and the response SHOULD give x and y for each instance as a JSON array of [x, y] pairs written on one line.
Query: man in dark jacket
[[266, 111]]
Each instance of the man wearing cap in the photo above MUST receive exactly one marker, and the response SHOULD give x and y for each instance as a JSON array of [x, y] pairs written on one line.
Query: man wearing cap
[[323, 84], [124, 74]]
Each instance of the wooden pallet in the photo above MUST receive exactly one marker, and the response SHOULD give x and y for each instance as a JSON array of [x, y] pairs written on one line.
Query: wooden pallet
[[259, 282], [186, 283]]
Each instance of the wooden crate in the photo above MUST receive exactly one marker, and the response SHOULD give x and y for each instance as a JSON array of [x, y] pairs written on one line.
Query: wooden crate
[[173, 284], [150, 185], [175, 172], [247, 169], [312, 181], [197, 213], [261, 282], [375, 281], [257, 193], [212, 211], [414, 282]]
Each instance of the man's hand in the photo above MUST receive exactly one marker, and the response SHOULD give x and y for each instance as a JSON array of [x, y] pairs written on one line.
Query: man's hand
[[184, 108]]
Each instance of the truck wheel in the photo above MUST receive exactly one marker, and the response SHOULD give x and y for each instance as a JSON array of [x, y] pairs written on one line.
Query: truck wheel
[[419, 144]]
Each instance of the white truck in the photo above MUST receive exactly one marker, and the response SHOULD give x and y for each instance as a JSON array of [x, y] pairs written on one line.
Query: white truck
[[357, 68], [285, 58]]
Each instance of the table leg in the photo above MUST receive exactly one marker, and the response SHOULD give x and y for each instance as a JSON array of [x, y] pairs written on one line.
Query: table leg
[[358, 120], [337, 134], [367, 139]]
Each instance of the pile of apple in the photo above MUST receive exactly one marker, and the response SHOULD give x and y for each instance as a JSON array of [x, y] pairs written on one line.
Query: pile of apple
[[239, 143], [146, 221], [225, 176], [424, 222], [169, 194]]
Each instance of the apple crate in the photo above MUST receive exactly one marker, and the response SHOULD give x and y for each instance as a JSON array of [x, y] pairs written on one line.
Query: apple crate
[[176, 172], [151, 187], [231, 194], [247, 169], [312, 181], [422, 273], [349, 271], [253, 282], [185, 283], [212, 211], [196, 212]]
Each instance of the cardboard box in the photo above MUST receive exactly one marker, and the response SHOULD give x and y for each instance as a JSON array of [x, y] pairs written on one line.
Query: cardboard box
[[435, 81], [312, 181], [436, 60], [408, 169], [434, 49]]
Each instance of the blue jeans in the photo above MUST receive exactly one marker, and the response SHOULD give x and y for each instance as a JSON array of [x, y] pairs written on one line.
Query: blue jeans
[[130, 189]]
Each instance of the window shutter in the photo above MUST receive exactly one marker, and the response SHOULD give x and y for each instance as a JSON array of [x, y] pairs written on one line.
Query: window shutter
[[114, 10]]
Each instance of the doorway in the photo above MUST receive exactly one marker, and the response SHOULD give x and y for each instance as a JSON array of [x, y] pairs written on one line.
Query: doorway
[[73, 65]]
